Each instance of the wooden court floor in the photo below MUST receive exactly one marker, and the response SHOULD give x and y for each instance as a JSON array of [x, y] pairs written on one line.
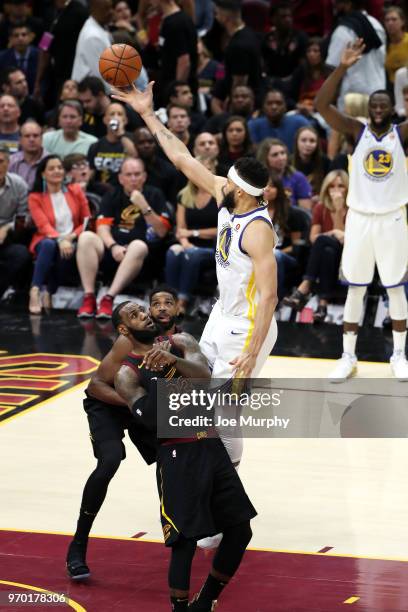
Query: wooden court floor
[[320, 502]]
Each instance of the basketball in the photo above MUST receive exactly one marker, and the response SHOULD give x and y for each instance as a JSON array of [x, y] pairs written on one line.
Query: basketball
[[120, 65]]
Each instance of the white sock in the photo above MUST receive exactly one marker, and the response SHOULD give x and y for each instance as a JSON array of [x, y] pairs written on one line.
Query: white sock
[[349, 343], [399, 339]]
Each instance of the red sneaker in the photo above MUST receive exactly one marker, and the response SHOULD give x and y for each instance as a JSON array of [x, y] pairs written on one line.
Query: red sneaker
[[105, 308], [88, 307]]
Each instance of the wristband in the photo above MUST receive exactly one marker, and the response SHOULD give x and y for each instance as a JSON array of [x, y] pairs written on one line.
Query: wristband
[[112, 245]]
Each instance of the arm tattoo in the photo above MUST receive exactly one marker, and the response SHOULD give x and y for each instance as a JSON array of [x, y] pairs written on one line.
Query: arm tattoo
[[167, 134]]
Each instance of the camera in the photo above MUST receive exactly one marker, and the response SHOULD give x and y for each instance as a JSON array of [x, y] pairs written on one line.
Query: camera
[[114, 125]]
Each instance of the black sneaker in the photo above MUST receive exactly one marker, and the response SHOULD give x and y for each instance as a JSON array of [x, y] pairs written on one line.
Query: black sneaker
[[197, 606], [76, 564]]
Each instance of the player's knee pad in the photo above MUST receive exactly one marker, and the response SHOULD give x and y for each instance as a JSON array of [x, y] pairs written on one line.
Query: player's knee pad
[[110, 455], [233, 445], [398, 303], [182, 553], [354, 304]]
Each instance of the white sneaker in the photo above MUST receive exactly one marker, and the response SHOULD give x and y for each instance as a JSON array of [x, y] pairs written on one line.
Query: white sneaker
[[345, 368], [210, 542], [399, 366]]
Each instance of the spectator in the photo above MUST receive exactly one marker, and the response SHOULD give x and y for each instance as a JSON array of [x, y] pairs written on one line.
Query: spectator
[[206, 145], [309, 158], [401, 82], [355, 105], [308, 76], [57, 49], [107, 154], [208, 70], [14, 82], [92, 95], [290, 224], [197, 214], [178, 122], [21, 54], [180, 94], [77, 170], [92, 40], [127, 219], [68, 139], [204, 16], [397, 49], [13, 207], [276, 123], [327, 238], [178, 47], [69, 91], [242, 56], [355, 23], [283, 47], [160, 172], [242, 103], [274, 154], [18, 13], [9, 129], [235, 143], [59, 215], [25, 162], [122, 17]]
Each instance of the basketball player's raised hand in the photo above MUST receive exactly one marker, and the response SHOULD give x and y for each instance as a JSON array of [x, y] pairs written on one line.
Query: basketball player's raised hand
[[352, 53], [140, 101]]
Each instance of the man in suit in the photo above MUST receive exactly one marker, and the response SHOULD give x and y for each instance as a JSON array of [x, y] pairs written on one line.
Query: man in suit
[[20, 53]]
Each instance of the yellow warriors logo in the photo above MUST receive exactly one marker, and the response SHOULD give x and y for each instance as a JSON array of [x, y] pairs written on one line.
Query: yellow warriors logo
[[224, 244], [378, 163]]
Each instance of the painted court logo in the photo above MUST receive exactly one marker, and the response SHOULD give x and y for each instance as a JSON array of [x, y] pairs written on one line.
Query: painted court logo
[[378, 163], [224, 246]]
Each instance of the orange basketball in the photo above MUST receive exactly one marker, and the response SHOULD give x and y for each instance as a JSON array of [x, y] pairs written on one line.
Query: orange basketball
[[120, 65]]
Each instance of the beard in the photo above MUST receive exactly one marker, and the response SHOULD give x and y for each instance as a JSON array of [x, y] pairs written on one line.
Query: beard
[[144, 336], [164, 327], [228, 201]]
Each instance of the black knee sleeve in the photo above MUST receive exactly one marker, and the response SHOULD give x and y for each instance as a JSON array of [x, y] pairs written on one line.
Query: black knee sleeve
[[110, 455], [182, 554], [232, 548]]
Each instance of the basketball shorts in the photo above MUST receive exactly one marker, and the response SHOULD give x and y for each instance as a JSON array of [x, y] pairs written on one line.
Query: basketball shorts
[[108, 422], [371, 240], [225, 337], [200, 491]]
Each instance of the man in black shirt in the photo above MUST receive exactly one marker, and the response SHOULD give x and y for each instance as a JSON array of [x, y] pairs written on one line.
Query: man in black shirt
[[93, 96], [160, 172], [106, 156], [14, 82], [180, 93], [242, 55], [59, 43], [131, 219], [242, 103], [178, 47]]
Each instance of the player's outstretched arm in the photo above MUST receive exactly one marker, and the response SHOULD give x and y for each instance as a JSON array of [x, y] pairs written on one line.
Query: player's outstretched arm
[[128, 386], [258, 242], [328, 92], [176, 151]]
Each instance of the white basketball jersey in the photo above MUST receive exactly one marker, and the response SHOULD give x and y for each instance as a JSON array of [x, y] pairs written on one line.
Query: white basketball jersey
[[378, 173], [235, 274]]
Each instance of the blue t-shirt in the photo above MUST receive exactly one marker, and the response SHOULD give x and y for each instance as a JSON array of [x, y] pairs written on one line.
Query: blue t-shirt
[[262, 128], [297, 187]]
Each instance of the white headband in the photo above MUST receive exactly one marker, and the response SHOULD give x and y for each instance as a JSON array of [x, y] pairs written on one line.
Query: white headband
[[250, 189]]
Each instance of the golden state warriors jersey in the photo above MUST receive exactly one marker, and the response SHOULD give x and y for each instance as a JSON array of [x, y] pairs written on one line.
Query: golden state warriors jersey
[[235, 274], [378, 173]]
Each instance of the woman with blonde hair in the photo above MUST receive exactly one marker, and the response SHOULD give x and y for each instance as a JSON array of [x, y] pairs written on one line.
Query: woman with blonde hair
[[197, 215], [327, 238]]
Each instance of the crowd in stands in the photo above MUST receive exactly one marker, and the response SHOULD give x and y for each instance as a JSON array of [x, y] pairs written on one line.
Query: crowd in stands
[[86, 194]]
